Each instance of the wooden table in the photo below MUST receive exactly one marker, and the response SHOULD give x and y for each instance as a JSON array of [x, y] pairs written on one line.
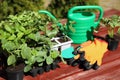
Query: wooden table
[[109, 70]]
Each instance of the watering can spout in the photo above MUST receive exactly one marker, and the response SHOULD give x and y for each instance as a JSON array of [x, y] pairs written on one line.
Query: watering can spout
[[48, 13], [54, 19]]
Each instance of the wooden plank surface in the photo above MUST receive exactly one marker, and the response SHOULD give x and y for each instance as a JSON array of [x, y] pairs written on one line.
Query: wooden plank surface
[[109, 70]]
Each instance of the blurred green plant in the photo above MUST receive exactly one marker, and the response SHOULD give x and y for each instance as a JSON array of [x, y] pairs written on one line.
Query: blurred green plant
[[20, 38], [59, 8], [13, 7], [111, 23]]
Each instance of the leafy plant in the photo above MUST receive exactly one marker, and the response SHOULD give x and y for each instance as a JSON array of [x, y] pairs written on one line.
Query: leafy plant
[[111, 23], [12, 7], [21, 39]]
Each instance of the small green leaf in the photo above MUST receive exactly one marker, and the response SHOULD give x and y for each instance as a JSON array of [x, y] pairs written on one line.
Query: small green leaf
[[118, 31], [25, 52], [52, 33], [20, 35], [11, 60], [49, 60], [27, 68], [22, 29], [28, 31], [31, 36], [9, 46], [42, 53], [30, 61], [12, 37], [40, 64], [34, 51], [71, 28], [7, 28], [37, 36], [54, 54], [40, 59]]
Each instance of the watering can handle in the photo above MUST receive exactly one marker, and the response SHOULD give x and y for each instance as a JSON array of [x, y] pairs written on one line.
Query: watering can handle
[[88, 7]]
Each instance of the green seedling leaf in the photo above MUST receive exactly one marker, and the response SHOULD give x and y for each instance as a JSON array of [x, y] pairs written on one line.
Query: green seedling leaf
[[37, 36], [39, 59], [34, 52], [12, 37], [28, 31], [27, 68], [49, 60], [40, 64], [52, 33], [31, 36], [20, 35], [9, 46], [71, 28], [11, 60], [118, 31], [25, 52], [54, 54], [30, 61], [7, 28]]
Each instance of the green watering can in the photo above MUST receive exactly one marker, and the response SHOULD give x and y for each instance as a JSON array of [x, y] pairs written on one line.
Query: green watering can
[[83, 23]]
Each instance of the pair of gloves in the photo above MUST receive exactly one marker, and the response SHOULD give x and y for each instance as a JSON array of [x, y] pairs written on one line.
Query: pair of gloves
[[90, 54]]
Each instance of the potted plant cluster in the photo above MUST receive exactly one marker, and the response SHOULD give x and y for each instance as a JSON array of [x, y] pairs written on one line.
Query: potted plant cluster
[[23, 44], [112, 23]]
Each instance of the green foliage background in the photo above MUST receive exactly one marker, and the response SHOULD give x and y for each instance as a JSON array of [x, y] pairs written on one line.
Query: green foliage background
[[8, 7], [60, 7]]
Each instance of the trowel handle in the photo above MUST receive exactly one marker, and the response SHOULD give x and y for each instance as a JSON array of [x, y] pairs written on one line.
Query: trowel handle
[[88, 7]]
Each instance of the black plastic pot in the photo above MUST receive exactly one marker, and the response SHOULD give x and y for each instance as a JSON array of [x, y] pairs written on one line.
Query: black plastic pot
[[54, 65], [15, 74], [112, 43], [47, 68], [40, 70], [57, 60], [34, 72]]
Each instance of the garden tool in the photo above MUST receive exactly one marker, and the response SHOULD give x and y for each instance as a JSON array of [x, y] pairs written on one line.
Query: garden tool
[[93, 52], [80, 24], [84, 23]]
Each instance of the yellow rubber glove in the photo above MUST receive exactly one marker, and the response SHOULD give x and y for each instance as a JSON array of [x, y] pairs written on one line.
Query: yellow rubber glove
[[94, 50]]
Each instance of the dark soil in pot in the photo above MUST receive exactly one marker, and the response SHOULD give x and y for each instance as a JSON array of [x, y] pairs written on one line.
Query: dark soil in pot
[[15, 73], [63, 39]]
